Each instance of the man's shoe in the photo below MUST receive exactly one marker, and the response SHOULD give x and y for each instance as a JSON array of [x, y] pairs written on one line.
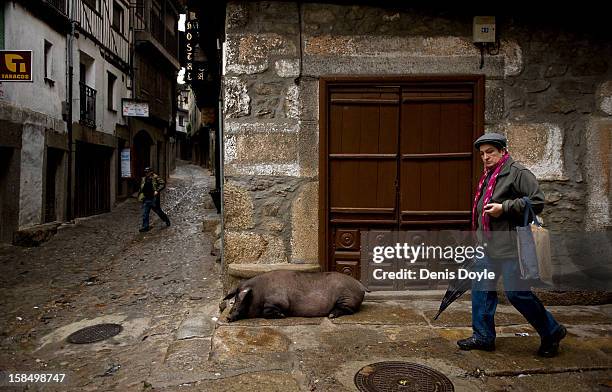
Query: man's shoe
[[168, 223], [550, 346], [144, 229], [472, 343]]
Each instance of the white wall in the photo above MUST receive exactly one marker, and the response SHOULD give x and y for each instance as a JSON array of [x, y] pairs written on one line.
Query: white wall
[[98, 79], [25, 32]]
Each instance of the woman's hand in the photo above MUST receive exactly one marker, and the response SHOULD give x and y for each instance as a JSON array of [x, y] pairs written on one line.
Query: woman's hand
[[494, 209]]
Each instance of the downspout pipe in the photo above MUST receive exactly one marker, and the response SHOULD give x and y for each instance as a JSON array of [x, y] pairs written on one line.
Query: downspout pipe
[[69, 55]]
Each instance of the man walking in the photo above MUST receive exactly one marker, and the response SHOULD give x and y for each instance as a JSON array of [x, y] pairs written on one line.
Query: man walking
[[150, 187]]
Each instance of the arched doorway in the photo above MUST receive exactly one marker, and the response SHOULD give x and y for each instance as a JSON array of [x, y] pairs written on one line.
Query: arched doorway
[[141, 152]]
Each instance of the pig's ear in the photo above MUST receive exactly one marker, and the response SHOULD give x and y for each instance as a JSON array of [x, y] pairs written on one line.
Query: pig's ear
[[244, 293], [231, 294]]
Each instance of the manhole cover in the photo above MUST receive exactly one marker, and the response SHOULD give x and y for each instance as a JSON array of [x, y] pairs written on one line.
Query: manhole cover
[[401, 377], [94, 333]]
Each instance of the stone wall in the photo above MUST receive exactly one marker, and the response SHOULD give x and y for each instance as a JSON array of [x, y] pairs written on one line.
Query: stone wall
[[548, 90]]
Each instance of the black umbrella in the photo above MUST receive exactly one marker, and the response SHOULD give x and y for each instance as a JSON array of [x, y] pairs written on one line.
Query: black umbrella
[[456, 288]]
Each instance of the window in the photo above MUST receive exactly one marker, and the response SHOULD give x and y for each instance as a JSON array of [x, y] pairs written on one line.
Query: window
[[181, 121], [110, 91], [93, 4], [118, 17], [48, 61], [140, 7]]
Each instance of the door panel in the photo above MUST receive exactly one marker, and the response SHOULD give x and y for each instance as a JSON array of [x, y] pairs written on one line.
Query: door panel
[[362, 169], [436, 158], [397, 156]]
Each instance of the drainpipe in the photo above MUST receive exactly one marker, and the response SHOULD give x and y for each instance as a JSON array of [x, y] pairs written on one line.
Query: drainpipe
[[69, 54]]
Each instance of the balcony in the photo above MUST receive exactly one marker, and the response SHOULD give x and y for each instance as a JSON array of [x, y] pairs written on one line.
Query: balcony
[[97, 26], [58, 5], [88, 105], [149, 28], [54, 12]]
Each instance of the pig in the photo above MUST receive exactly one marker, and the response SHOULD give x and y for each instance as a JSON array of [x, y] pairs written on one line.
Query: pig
[[279, 294]]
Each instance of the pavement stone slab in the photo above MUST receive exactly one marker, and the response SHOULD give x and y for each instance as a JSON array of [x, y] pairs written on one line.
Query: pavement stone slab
[[266, 381], [388, 313]]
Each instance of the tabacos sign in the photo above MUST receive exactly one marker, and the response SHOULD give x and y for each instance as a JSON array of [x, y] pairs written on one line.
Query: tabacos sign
[[15, 65]]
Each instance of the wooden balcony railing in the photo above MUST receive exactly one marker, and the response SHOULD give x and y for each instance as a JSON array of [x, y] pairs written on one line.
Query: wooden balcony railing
[[59, 5], [154, 24], [97, 25]]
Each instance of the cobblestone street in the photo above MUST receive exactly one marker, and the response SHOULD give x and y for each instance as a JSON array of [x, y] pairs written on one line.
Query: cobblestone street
[[101, 269]]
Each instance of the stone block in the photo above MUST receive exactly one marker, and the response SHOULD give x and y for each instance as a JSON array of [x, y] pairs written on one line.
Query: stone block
[[598, 173], [249, 53], [327, 54], [242, 247], [494, 102], [575, 87], [271, 169], [235, 127], [513, 58], [268, 87], [604, 98], [308, 149], [247, 271], [244, 340], [237, 15], [268, 147], [210, 223], [539, 147], [309, 99], [287, 68], [31, 181], [249, 247], [238, 211], [305, 225], [555, 70], [265, 108], [291, 103], [237, 100], [35, 235]]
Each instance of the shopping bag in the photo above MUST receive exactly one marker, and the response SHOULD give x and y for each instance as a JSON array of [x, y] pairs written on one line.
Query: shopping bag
[[533, 243]]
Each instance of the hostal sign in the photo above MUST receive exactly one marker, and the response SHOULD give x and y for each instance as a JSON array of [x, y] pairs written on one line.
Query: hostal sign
[[194, 71]]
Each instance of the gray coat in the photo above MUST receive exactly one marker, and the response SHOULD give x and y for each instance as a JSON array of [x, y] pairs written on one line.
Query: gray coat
[[513, 183]]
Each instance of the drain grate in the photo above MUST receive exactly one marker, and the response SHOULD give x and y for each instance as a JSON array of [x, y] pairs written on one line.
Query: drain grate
[[401, 377], [94, 333]]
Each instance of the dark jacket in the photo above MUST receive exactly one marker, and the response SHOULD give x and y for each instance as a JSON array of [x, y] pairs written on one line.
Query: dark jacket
[[148, 188], [513, 183]]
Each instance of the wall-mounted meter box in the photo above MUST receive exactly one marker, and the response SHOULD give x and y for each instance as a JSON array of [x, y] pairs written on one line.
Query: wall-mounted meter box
[[484, 29]]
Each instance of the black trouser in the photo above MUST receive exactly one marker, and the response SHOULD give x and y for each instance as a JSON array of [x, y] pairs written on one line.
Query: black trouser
[[152, 204]]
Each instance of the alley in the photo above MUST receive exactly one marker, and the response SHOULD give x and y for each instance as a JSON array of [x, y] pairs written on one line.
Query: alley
[[102, 270]]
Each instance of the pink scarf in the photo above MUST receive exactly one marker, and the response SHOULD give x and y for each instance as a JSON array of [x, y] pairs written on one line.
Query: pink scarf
[[488, 194]]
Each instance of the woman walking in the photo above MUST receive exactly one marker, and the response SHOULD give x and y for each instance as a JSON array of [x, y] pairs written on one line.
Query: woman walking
[[497, 209]]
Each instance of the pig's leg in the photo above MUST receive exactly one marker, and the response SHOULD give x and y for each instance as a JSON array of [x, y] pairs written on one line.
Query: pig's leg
[[338, 311], [272, 311], [344, 306]]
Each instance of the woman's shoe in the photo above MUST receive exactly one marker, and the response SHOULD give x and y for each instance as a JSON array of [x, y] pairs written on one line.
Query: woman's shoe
[[550, 346], [472, 343]]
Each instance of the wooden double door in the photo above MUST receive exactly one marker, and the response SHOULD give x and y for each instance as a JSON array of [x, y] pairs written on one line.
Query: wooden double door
[[396, 155]]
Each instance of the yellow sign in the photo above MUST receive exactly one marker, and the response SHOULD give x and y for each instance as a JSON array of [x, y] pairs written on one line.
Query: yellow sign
[[15, 65]]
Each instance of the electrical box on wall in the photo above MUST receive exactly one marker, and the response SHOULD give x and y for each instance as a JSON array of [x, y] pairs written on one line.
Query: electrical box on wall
[[484, 29]]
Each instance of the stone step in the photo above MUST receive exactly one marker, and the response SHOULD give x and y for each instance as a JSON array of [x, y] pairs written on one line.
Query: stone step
[[36, 235], [210, 221], [247, 271], [407, 295]]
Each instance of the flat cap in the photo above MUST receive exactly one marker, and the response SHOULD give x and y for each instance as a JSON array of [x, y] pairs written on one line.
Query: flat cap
[[491, 138]]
